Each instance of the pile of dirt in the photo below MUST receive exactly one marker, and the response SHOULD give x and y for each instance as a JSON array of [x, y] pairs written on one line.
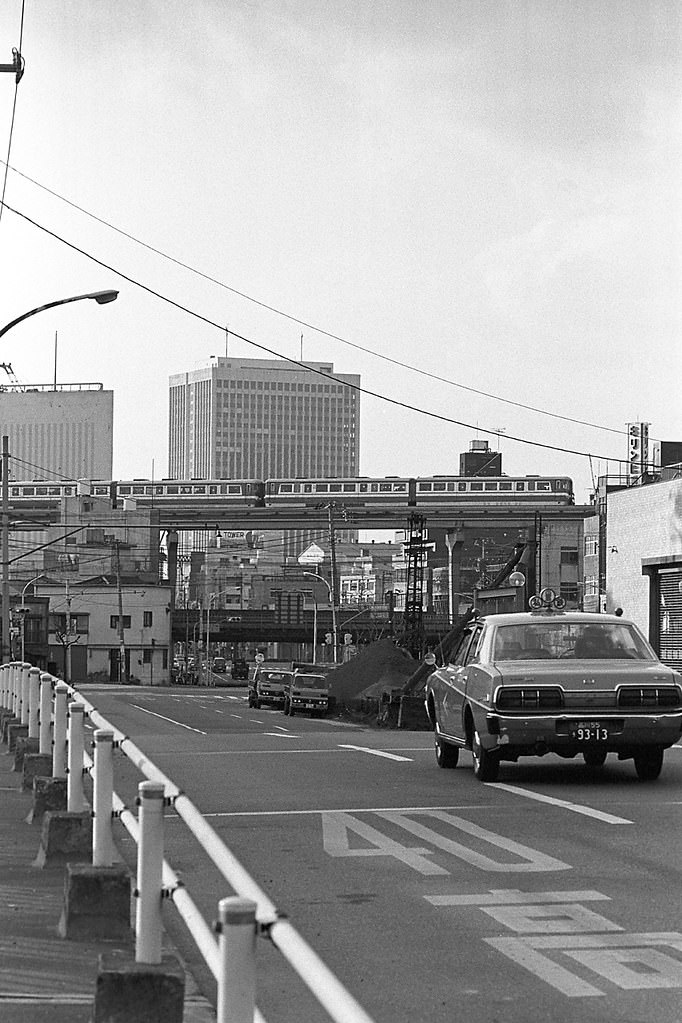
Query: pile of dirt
[[378, 667]]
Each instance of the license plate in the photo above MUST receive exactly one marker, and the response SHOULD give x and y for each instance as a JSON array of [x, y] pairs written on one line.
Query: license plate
[[310, 706], [589, 731]]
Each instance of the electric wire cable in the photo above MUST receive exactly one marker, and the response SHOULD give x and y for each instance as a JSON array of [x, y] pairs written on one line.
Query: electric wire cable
[[310, 326], [325, 376]]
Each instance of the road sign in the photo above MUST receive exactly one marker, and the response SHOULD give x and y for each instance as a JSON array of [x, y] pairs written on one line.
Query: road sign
[[312, 555], [259, 658]]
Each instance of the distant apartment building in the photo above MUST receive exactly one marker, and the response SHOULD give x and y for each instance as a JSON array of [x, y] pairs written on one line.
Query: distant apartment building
[[262, 418], [58, 432]]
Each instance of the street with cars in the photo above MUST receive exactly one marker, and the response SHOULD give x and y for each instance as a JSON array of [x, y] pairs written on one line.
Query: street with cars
[[547, 894]]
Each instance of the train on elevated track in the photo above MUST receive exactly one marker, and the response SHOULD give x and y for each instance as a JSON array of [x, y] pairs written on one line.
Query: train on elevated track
[[414, 492]]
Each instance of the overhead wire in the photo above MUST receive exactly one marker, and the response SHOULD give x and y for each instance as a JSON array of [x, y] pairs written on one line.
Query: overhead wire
[[20, 59], [311, 326], [311, 369]]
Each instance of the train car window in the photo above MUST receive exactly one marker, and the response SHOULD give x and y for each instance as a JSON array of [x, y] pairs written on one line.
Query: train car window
[[234, 489], [491, 486], [29, 491], [334, 488], [307, 487], [41, 491], [349, 488], [450, 488], [399, 488], [373, 487], [286, 488], [198, 490], [157, 490], [124, 491], [362, 488], [385, 488], [68, 491], [476, 486], [425, 488], [519, 485], [503, 485], [15, 492], [185, 490], [531, 485], [438, 487], [461, 486], [138, 490], [321, 488], [543, 485], [56, 492], [171, 490]]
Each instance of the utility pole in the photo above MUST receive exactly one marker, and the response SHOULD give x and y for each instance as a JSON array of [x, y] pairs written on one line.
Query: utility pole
[[6, 620], [335, 586], [122, 674]]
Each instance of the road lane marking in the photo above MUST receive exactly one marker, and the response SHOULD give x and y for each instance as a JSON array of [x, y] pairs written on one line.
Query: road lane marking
[[515, 897], [532, 860], [286, 735], [170, 720], [587, 811], [374, 752]]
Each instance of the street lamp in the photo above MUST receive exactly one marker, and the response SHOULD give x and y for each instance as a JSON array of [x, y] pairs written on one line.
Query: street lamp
[[304, 594], [101, 298], [320, 578], [24, 611]]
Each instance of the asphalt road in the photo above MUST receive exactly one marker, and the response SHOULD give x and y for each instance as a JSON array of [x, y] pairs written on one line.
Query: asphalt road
[[553, 894]]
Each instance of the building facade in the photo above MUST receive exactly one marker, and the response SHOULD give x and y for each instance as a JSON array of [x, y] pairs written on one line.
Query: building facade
[[64, 431], [261, 418]]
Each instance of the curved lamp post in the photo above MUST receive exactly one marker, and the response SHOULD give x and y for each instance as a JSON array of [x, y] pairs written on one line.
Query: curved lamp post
[[320, 578], [101, 298]]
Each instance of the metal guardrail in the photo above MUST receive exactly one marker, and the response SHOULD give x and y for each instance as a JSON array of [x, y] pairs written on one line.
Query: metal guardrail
[[54, 714]]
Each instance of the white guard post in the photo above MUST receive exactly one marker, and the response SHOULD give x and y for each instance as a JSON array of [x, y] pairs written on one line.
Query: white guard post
[[237, 949], [148, 924], [102, 799], [75, 798], [45, 717], [59, 737], [33, 702], [23, 675], [16, 692]]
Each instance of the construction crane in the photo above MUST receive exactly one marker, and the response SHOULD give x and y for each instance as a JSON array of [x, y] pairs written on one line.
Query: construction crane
[[15, 383]]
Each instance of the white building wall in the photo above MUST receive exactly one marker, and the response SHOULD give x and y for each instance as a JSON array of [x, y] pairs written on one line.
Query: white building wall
[[642, 522], [67, 433]]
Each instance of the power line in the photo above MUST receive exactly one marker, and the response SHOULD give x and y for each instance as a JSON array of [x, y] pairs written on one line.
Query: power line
[[285, 358], [312, 326]]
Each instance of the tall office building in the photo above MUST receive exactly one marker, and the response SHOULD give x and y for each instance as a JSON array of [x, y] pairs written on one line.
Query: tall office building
[[63, 431], [261, 418]]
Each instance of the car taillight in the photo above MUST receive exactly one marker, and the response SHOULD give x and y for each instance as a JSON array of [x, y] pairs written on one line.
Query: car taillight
[[529, 698]]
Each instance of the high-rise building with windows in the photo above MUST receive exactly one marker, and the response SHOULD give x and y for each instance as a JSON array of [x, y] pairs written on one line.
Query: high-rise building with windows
[[261, 418]]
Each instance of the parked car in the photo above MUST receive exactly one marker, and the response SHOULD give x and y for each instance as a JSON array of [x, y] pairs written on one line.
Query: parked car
[[240, 670], [306, 691], [554, 681], [219, 665], [268, 685]]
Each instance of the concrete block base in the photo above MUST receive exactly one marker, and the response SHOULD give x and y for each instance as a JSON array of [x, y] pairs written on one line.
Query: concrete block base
[[23, 747], [96, 903], [65, 836], [48, 794], [6, 722], [131, 992], [36, 765], [6, 715], [15, 730]]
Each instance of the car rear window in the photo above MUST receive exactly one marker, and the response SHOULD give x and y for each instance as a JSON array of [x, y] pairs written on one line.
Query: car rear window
[[555, 640]]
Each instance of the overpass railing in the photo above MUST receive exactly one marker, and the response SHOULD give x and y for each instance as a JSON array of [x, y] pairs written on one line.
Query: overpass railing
[[54, 714]]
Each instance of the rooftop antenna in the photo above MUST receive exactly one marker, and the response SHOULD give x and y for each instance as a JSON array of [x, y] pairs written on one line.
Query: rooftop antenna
[[227, 339], [55, 361], [301, 347]]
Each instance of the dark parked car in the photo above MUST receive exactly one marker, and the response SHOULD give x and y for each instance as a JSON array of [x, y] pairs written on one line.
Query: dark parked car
[[240, 670]]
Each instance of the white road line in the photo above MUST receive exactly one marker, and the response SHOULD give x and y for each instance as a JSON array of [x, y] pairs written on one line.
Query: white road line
[[374, 752], [286, 735], [354, 810], [587, 811], [170, 720]]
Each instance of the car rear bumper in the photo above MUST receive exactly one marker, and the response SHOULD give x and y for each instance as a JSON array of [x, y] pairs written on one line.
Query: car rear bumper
[[572, 732]]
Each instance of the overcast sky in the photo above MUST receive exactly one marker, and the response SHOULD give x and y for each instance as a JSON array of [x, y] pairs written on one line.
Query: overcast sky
[[485, 190]]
